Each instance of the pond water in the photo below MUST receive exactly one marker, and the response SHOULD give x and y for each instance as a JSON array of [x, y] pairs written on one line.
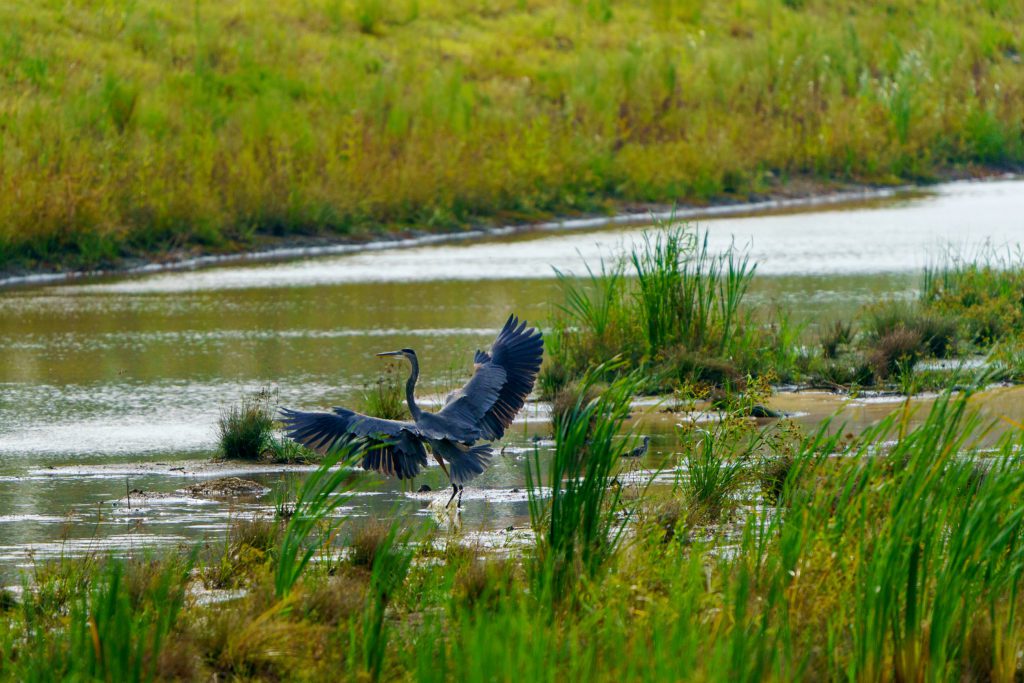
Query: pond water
[[116, 383]]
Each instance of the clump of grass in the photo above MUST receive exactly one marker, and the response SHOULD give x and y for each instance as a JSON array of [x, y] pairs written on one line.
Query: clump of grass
[[687, 295], [385, 397], [577, 528], [680, 316], [245, 429], [896, 352], [247, 548], [832, 338], [938, 333], [284, 500], [710, 478], [367, 540], [283, 450], [246, 432]]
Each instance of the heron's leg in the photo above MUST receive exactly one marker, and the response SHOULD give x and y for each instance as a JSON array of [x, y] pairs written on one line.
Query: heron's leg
[[455, 489], [461, 487], [444, 468]]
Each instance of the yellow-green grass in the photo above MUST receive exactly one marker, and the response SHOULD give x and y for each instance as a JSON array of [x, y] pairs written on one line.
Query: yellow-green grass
[[142, 126]]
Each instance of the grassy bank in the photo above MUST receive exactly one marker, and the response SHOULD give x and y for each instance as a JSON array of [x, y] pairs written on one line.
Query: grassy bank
[[140, 127], [900, 560], [677, 313]]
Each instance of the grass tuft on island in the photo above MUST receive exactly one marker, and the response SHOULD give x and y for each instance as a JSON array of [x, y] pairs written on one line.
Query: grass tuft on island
[[676, 314], [246, 431], [146, 127]]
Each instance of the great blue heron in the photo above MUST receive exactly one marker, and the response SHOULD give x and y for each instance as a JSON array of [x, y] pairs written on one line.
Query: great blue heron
[[480, 411]]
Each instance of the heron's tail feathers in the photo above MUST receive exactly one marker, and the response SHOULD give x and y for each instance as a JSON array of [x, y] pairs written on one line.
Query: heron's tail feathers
[[466, 464]]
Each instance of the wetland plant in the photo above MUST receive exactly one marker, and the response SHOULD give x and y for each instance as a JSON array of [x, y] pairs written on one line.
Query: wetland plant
[[835, 336], [578, 527], [896, 353], [689, 296], [711, 478], [115, 627], [248, 546], [246, 432], [385, 397], [672, 300], [245, 429], [903, 559], [312, 525]]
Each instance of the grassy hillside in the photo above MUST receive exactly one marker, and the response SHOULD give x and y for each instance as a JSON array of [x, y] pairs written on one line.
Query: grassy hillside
[[131, 126]]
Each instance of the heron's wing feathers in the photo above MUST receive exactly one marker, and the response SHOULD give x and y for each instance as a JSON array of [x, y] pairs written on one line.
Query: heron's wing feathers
[[467, 406], [504, 379], [392, 448]]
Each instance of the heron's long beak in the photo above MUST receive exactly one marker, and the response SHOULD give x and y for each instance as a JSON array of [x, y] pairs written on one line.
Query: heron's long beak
[[391, 353]]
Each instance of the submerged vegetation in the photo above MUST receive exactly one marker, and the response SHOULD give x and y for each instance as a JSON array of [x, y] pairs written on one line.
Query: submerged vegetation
[[893, 555], [139, 127], [677, 313]]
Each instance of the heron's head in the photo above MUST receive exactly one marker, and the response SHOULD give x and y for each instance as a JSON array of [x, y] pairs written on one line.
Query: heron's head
[[407, 353]]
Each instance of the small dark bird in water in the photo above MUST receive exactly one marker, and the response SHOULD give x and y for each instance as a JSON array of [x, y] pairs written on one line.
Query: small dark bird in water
[[424, 489], [640, 451], [480, 411]]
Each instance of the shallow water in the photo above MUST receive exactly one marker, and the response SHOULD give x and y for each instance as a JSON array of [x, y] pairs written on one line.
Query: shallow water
[[134, 371]]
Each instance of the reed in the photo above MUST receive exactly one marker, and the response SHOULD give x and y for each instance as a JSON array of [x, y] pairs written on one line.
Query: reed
[[578, 528], [311, 525]]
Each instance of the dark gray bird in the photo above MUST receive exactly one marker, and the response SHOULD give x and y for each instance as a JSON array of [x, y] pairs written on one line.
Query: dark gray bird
[[640, 451], [480, 411]]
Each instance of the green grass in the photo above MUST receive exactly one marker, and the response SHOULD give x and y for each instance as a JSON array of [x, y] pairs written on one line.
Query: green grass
[[897, 555], [385, 397], [677, 314], [672, 307], [146, 127], [245, 431], [576, 522]]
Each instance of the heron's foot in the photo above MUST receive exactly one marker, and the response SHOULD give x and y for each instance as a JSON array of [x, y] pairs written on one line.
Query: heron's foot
[[455, 490], [459, 504]]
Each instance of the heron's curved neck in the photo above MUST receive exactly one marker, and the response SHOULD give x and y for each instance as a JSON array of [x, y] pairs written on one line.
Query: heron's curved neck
[[410, 389]]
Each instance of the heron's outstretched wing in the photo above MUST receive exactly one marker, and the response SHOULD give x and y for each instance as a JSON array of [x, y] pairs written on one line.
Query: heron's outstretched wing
[[391, 447], [504, 378]]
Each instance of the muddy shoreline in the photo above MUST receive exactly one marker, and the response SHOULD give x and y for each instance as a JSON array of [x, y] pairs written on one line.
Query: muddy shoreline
[[272, 249]]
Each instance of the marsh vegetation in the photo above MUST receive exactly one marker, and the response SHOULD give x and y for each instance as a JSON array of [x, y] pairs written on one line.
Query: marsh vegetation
[[677, 313], [890, 555]]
